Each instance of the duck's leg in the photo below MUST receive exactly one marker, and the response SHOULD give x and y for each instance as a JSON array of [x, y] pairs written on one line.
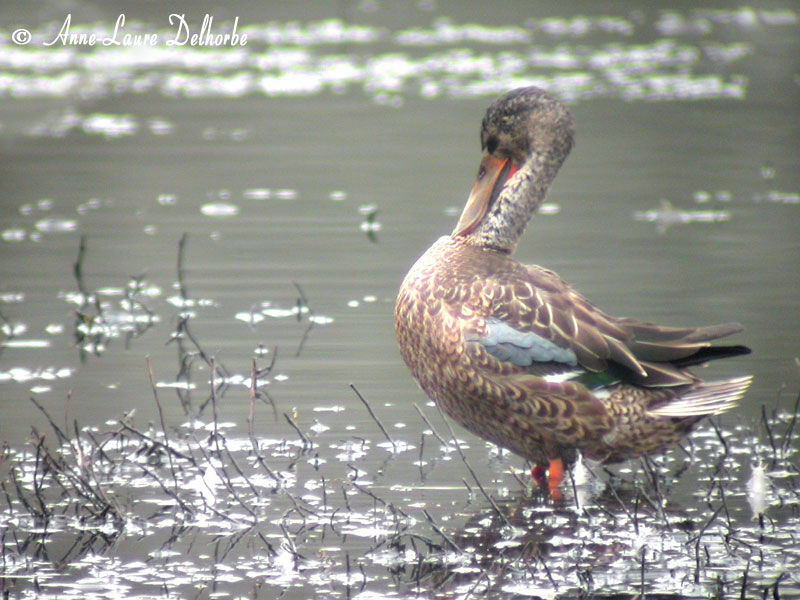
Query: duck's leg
[[553, 475], [539, 474]]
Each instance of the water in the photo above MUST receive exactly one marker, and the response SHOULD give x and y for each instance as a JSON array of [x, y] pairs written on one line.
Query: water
[[308, 169]]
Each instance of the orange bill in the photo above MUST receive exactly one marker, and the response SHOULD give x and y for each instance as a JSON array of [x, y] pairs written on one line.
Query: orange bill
[[492, 176]]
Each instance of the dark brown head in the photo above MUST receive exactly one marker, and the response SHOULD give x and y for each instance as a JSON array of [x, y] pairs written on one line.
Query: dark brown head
[[524, 121], [525, 137]]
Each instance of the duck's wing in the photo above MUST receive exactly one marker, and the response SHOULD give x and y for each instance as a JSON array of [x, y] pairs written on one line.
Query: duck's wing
[[536, 320]]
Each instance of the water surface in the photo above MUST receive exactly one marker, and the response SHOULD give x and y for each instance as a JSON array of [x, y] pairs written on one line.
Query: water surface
[[307, 170]]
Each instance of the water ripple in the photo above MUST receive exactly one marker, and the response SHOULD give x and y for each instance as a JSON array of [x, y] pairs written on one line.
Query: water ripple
[[580, 57]]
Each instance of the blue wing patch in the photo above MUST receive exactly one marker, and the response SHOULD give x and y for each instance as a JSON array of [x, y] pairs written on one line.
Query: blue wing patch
[[522, 348]]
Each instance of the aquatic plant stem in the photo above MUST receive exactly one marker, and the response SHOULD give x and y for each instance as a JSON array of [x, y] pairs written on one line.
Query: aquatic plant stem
[[181, 280], [787, 438], [469, 468], [252, 408], [374, 416], [307, 444], [428, 423], [161, 418]]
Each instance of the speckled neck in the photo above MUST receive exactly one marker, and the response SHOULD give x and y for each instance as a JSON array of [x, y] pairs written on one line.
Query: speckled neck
[[520, 199], [536, 131]]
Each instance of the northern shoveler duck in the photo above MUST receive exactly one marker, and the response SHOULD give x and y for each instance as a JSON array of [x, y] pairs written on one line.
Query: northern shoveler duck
[[514, 354]]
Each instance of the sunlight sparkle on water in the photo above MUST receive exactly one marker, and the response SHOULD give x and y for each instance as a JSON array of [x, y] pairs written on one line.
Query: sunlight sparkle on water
[[219, 209], [300, 59]]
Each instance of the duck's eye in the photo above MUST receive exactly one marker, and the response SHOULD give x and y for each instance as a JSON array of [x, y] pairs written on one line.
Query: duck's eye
[[481, 173], [491, 145]]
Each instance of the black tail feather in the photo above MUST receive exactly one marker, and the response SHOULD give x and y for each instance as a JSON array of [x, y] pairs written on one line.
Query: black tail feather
[[710, 353]]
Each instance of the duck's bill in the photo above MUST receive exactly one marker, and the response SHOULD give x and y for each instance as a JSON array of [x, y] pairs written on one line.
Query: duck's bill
[[492, 176]]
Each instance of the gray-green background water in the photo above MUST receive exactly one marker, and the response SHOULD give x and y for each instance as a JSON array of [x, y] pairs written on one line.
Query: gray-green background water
[[332, 149]]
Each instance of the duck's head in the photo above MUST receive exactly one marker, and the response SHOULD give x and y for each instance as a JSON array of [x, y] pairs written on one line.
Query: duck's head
[[525, 137]]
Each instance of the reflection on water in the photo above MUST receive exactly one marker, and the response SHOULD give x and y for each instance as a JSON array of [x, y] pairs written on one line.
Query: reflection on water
[[579, 57], [667, 215], [308, 169], [198, 507]]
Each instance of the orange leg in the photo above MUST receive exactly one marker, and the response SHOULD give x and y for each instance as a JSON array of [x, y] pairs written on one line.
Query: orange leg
[[555, 477]]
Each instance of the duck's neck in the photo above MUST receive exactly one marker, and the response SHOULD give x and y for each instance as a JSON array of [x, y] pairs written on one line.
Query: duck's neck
[[521, 197]]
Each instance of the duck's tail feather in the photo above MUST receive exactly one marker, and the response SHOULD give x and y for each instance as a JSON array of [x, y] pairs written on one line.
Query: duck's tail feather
[[650, 332], [707, 398], [667, 344], [710, 353]]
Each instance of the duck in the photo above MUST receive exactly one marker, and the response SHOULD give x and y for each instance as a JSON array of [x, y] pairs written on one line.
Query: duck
[[514, 354]]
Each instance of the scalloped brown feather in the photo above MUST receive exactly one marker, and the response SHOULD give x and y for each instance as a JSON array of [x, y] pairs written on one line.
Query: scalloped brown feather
[[462, 281], [455, 286]]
